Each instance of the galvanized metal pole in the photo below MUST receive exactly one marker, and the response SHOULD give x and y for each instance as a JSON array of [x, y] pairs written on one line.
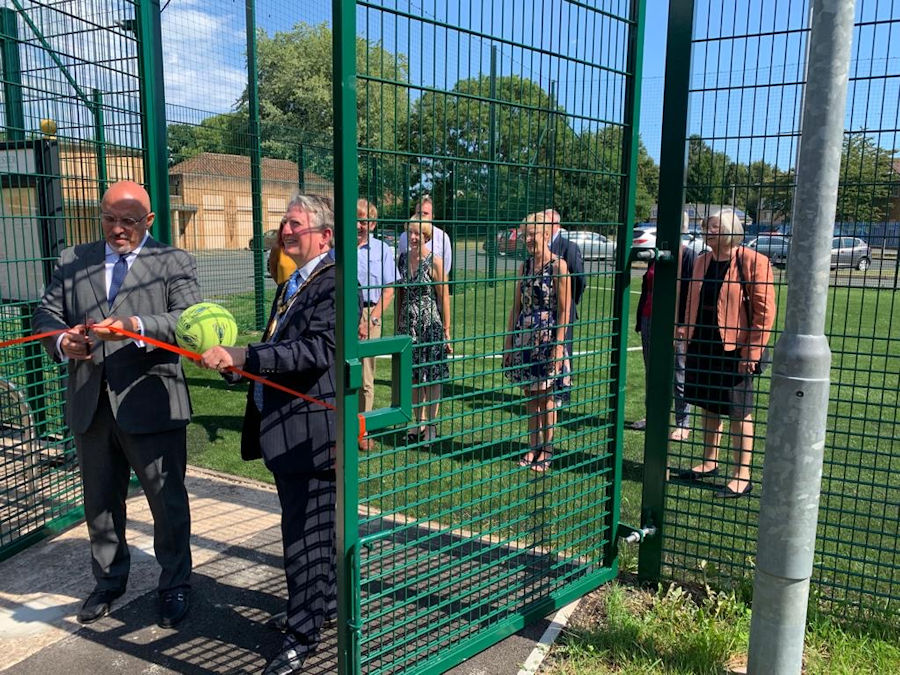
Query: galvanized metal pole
[[798, 405]]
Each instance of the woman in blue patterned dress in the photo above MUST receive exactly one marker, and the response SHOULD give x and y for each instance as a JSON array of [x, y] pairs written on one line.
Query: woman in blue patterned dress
[[423, 313], [535, 348]]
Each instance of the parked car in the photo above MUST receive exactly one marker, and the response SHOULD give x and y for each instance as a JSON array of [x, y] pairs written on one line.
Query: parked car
[[389, 235], [850, 252], [845, 251], [775, 247], [693, 239], [594, 246], [509, 242], [644, 236]]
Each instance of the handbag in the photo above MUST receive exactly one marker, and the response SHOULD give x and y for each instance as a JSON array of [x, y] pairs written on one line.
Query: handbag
[[765, 358]]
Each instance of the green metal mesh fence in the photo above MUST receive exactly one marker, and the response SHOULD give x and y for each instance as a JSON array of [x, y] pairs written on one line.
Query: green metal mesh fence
[[72, 122], [744, 99], [492, 114]]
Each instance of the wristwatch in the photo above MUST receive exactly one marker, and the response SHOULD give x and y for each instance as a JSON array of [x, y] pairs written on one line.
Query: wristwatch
[[374, 320]]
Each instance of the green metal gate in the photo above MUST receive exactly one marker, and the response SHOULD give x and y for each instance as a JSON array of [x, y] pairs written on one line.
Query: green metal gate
[[494, 111], [81, 101]]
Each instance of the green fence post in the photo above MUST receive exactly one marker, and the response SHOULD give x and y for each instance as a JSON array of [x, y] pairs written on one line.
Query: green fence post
[[100, 141], [492, 173], [347, 363], [12, 75], [259, 290], [671, 197], [301, 169], [630, 145], [153, 120]]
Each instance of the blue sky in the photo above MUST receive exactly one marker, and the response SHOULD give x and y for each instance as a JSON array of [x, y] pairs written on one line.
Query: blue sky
[[740, 102]]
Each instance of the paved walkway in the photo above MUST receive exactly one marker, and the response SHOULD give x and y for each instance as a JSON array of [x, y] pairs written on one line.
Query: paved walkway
[[237, 584]]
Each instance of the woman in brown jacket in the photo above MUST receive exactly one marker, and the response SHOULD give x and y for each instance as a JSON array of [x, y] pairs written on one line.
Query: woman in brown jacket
[[729, 315]]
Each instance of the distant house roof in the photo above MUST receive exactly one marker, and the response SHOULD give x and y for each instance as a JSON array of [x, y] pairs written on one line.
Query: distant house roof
[[238, 166]]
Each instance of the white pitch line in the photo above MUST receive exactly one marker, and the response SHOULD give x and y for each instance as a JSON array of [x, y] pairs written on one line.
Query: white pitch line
[[498, 356], [542, 648], [607, 288]]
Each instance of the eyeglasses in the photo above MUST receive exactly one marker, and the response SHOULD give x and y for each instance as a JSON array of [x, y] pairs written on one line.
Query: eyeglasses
[[301, 228], [111, 220]]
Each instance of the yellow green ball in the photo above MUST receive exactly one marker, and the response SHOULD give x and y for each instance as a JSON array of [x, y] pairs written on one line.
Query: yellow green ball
[[48, 127], [205, 325]]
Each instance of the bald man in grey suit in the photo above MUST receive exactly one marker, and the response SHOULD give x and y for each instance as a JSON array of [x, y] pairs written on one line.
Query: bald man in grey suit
[[126, 401]]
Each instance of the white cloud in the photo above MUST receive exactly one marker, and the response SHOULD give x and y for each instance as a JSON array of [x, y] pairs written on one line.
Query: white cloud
[[203, 54]]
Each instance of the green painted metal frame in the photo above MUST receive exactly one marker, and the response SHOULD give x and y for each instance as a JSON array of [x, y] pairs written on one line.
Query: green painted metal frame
[[399, 348], [630, 144], [153, 120], [254, 140], [12, 74], [347, 364], [673, 160]]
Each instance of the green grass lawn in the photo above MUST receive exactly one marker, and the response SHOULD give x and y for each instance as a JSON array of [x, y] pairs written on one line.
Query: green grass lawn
[[469, 480]]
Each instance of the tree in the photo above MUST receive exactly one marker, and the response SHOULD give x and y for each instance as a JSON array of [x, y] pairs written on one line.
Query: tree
[[295, 101], [460, 165], [867, 180], [225, 133], [707, 181], [295, 94]]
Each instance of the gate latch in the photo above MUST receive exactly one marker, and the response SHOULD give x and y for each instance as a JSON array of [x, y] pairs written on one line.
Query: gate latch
[[635, 535]]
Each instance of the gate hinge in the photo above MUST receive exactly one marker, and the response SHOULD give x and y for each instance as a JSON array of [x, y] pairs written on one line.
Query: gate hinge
[[635, 535]]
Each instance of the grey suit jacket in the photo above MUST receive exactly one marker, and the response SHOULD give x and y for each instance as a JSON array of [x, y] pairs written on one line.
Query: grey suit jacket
[[147, 390]]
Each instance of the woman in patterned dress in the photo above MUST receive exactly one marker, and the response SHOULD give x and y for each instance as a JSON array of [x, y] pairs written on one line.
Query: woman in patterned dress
[[423, 313], [535, 348]]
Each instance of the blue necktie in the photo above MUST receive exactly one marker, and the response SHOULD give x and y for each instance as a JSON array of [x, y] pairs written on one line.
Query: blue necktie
[[293, 283], [291, 287], [120, 269]]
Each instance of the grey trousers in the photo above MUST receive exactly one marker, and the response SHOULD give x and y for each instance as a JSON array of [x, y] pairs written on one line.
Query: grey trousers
[[682, 407], [308, 535], [106, 454]]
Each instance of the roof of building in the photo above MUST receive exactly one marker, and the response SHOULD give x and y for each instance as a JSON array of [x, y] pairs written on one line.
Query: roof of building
[[238, 166]]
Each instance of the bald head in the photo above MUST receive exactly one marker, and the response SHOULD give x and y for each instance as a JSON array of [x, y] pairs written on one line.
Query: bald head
[[125, 215]]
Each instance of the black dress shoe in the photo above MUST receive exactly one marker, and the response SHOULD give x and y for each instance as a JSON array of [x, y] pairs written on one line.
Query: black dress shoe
[[97, 604], [279, 622], [727, 493], [287, 662], [690, 474], [173, 607]]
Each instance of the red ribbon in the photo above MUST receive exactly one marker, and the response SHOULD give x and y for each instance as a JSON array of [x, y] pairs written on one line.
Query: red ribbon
[[29, 338], [193, 356]]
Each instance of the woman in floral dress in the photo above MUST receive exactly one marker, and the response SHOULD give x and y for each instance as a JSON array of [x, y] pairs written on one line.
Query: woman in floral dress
[[423, 313], [535, 348]]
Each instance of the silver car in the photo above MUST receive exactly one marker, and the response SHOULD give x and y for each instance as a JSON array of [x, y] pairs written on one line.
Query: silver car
[[775, 247], [845, 251], [594, 246], [644, 236], [850, 252]]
